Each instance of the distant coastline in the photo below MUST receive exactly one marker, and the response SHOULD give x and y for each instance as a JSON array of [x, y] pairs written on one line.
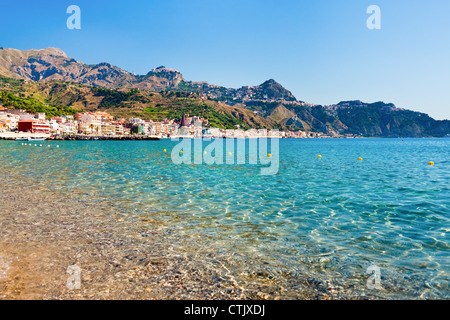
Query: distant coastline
[[12, 136], [98, 99]]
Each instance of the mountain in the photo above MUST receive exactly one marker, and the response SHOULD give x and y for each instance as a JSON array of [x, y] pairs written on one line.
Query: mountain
[[52, 78], [269, 91], [381, 119], [159, 79], [58, 98], [53, 64]]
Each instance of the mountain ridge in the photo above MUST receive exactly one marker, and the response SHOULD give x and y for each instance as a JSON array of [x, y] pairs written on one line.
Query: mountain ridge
[[54, 64], [271, 104]]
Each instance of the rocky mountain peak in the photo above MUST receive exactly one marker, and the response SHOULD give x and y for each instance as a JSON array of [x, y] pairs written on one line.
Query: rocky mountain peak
[[272, 90], [270, 82], [164, 70], [52, 51]]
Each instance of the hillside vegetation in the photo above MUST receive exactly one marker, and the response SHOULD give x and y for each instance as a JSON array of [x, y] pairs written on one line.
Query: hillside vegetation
[[57, 98]]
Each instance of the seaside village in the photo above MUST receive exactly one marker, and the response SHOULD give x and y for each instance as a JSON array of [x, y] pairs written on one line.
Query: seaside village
[[104, 125]]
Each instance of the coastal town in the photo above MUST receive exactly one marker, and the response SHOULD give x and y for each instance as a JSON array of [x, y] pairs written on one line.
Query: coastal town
[[16, 123]]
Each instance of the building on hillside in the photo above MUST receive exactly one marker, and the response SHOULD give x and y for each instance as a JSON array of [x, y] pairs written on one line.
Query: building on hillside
[[119, 129], [108, 129], [26, 117], [137, 128], [41, 127], [186, 120], [59, 119], [8, 121], [68, 127], [25, 125], [136, 121], [89, 123]]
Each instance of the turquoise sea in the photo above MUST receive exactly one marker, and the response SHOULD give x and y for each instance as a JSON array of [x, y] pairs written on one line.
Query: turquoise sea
[[327, 219]]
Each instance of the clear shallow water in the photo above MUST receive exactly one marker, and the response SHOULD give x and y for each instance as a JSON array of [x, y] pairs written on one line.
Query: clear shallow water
[[329, 218]]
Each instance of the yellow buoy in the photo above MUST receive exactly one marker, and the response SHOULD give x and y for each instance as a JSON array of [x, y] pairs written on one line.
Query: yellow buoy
[[431, 163], [165, 150], [229, 153], [205, 152], [269, 155], [360, 159], [181, 151], [319, 156]]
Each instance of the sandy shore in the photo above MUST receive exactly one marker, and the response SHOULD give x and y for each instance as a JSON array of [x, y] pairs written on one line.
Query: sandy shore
[[120, 257]]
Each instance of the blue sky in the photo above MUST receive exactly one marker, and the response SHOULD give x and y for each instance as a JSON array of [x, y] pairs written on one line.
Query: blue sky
[[320, 50]]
